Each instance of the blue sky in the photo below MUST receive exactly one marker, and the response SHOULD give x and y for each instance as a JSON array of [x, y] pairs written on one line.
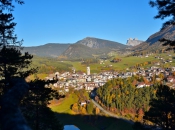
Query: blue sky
[[67, 21]]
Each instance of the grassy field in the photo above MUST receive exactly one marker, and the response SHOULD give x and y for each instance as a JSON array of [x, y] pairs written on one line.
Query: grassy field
[[47, 66], [64, 106], [40, 76], [122, 65], [77, 65], [86, 122]]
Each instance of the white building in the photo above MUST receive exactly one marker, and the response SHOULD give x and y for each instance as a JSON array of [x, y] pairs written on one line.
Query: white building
[[88, 70]]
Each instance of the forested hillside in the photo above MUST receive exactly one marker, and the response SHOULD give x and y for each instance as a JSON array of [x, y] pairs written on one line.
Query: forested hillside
[[47, 50], [123, 98]]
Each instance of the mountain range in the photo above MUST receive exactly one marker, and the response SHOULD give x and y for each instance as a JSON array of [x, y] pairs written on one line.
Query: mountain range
[[94, 47], [85, 48]]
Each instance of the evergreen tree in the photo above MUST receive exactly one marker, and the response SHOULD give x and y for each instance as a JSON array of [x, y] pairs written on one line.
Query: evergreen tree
[[15, 64], [12, 62], [162, 110], [7, 36], [165, 9], [35, 109]]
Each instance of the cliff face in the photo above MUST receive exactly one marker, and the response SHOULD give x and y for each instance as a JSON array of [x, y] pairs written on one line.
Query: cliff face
[[100, 43], [133, 42]]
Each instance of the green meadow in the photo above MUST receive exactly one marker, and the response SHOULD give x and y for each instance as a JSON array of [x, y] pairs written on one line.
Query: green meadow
[[85, 122], [48, 65], [125, 63], [65, 105]]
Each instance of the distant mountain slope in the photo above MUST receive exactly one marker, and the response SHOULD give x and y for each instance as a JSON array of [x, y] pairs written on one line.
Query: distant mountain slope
[[89, 47], [85, 48], [168, 33], [100, 43], [152, 43], [78, 51], [47, 50]]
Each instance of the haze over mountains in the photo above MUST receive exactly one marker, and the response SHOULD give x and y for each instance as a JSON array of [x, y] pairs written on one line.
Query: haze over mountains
[[94, 47]]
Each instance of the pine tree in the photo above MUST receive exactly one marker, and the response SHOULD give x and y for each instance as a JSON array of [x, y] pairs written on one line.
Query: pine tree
[[14, 64], [165, 10], [34, 106], [162, 110], [7, 36]]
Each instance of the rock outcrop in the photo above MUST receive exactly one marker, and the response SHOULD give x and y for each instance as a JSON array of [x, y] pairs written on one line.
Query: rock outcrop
[[133, 42], [100, 43]]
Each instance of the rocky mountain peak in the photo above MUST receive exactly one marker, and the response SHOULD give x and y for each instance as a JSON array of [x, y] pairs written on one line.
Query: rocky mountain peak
[[97, 43], [133, 42], [90, 42]]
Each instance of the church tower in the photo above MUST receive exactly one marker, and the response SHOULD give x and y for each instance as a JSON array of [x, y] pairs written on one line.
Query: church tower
[[88, 70]]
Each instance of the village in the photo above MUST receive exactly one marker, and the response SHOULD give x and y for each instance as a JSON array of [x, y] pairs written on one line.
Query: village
[[88, 81]]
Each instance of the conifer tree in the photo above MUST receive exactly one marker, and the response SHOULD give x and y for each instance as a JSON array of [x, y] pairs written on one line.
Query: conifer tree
[[162, 110], [14, 64], [35, 109], [165, 10]]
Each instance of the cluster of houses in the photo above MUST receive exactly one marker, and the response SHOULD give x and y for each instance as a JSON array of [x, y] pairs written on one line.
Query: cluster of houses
[[162, 60], [89, 81]]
